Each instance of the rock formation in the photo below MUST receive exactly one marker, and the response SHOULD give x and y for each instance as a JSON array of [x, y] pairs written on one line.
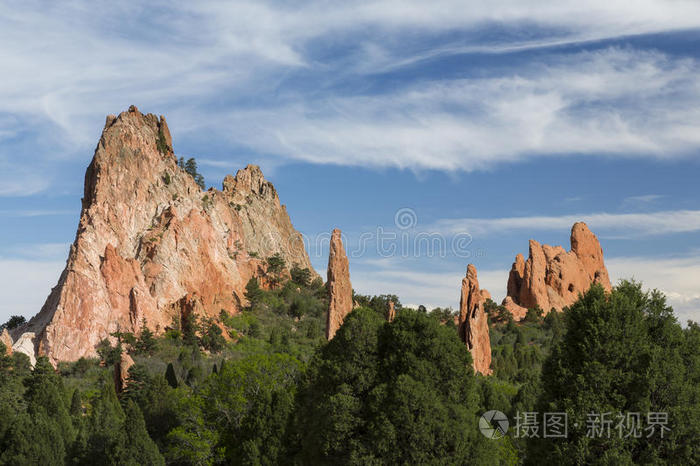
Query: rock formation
[[391, 312], [150, 241], [553, 278], [518, 312], [7, 341], [339, 286], [25, 345], [121, 372], [473, 324]]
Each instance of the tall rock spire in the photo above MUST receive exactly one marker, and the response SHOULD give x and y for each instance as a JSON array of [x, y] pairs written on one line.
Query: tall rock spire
[[339, 286], [473, 324], [149, 236]]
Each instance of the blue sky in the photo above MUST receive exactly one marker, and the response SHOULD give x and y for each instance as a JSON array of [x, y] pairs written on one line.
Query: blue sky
[[481, 123]]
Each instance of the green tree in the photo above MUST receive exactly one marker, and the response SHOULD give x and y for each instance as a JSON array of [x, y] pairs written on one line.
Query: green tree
[[212, 338], [105, 438], [191, 168], [275, 269], [253, 292], [45, 394], [399, 393], [146, 342], [622, 353], [534, 315], [192, 441], [109, 355], [190, 328], [251, 401], [139, 448], [13, 323], [170, 376], [301, 277]]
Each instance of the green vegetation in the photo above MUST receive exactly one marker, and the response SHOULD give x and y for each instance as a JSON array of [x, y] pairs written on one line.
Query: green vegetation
[[162, 143], [13, 322], [190, 167], [264, 387]]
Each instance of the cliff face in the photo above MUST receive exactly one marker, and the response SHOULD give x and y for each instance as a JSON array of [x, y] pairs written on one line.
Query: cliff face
[[339, 286], [473, 324], [553, 278], [152, 245]]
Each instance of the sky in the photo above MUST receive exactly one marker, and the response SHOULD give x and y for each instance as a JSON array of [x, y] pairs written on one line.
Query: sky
[[434, 134]]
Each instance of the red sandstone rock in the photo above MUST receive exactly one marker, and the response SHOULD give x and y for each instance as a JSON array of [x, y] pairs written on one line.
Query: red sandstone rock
[[553, 278], [121, 372], [391, 312], [339, 286], [7, 340], [149, 236], [473, 322], [518, 312]]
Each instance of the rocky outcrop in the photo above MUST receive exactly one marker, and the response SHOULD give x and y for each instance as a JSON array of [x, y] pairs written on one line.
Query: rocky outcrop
[[473, 324], [6, 339], [121, 372], [339, 287], [149, 236], [391, 312], [25, 345], [518, 312], [553, 278]]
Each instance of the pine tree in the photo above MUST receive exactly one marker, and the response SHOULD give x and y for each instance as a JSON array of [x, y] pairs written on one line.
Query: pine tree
[[76, 404], [45, 395], [146, 343], [139, 448], [253, 293], [191, 168], [170, 376], [105, 434]]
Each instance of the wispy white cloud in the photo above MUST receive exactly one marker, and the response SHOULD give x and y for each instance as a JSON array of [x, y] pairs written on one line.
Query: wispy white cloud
[[35, 213], [644, 201], [611, 102], [25, 284], [617, 101], [36, 251], [627, 224]]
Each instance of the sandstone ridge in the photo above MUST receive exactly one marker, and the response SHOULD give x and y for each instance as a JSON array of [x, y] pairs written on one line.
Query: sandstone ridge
[[151, 244], [553, 278]]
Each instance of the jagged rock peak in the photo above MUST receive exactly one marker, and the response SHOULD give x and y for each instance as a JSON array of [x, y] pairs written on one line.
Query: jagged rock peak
[[553, 278], [149, 238], [339, 287], [249, 181], [473, 324]]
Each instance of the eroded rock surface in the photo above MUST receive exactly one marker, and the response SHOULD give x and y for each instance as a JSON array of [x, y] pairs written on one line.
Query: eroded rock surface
[[7, 341], [553, 278], [149, 236], [121, 372], [340, 302], [25, 345], [391, 312], [473, 324]]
